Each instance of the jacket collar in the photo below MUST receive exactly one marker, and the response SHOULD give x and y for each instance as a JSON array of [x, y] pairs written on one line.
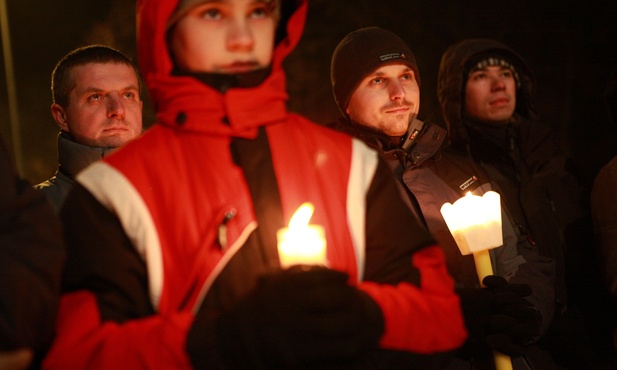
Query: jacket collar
[[74, 157], [422, 140]]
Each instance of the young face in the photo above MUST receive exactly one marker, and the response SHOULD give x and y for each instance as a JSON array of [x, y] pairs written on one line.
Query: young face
[[104, 108], [225, 36], [490, 94], [386, 99]]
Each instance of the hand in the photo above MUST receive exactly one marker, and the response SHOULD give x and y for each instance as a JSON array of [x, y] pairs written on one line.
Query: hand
[[296, 317], [514, 321], [498, 316]]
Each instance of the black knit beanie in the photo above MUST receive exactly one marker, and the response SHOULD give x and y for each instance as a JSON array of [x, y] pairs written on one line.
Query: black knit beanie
[[359, 54]]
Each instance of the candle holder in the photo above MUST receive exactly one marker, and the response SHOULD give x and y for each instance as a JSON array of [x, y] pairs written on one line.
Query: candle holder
[[301, 243], [475, 224]]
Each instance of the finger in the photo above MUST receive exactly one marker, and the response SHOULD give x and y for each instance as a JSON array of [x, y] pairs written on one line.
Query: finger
[[494, 281]]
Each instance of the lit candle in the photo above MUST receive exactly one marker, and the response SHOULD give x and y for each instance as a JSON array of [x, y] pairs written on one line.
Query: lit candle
[[475, 224], [301, 243]]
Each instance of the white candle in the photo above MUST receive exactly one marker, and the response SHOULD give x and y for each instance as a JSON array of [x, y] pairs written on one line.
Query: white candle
[[475, 224], [301, 243]]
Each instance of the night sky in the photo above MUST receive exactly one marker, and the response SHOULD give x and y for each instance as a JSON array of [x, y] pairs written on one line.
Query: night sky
[[571, 47]]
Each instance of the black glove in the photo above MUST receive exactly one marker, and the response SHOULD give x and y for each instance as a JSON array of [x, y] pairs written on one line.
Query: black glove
[[498, 316], [296, 318]]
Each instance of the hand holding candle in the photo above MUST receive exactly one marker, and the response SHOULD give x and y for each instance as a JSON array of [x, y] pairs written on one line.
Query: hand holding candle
[[475, 224], [301, 243]]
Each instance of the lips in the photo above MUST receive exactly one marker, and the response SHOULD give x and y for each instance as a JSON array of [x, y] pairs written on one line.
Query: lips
[[115, 129], [240, 67], [398, 109], [499, 101]]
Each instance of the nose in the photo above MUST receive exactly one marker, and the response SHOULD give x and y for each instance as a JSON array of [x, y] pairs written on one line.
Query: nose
[[498, 83], [115, 106], [397, 91], [240, 37]]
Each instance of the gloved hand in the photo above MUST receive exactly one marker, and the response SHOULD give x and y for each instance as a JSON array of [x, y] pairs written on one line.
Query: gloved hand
[[498, 316], [294, 317]]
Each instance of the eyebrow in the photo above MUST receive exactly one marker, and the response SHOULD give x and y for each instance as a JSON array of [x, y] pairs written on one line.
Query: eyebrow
[[92, 89], [381, 73]]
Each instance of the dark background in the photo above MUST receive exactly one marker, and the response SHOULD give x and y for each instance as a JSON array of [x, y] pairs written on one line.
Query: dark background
[[570, 46]]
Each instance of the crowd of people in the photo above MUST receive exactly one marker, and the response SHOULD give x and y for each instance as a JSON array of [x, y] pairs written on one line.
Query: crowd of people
[[157, 249]]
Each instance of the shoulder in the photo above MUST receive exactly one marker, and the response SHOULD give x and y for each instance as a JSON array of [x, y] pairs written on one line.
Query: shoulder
[[56, 189]]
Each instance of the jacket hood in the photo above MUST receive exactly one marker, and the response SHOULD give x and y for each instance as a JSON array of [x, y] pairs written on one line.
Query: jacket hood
[[453, 76], [188, 104]]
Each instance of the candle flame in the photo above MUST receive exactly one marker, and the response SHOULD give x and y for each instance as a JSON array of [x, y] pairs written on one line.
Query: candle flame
[[475, 221], [302, 216]]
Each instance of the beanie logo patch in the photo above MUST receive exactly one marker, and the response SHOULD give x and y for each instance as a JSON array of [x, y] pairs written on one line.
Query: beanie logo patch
[[390, 56]]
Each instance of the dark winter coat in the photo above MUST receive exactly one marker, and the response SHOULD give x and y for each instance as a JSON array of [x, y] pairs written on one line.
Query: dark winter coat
[[521, 157], [431, 176], [31, 259], [603, 208]]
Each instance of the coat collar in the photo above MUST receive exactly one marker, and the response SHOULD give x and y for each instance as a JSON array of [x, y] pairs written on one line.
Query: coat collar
[[74, 157]]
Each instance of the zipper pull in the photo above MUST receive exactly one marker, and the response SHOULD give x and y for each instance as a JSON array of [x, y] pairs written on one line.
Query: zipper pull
[[222, 231]]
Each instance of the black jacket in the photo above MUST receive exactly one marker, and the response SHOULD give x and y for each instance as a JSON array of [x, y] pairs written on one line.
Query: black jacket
[[431, 174], [31, 258], [522, 157]]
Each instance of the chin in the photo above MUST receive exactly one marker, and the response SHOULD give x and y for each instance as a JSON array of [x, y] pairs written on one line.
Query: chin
[[114, 142], [399, 131]]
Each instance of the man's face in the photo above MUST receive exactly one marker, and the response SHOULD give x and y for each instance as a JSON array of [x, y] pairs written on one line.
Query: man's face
[[225, 36], [490, 94], [104, 108], [386, 99]]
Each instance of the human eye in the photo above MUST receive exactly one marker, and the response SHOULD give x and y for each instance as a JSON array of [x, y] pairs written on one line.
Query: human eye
[[261, 10], [210, 13], [478, 76], [507, 73], [407, 76], [95, 97], [129, 95], [377, 81]]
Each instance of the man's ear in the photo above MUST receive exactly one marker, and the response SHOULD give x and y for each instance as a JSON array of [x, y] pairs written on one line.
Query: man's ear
[[59, 114]]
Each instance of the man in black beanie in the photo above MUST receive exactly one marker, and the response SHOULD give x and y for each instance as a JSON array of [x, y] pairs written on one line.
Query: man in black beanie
[[376, 85]]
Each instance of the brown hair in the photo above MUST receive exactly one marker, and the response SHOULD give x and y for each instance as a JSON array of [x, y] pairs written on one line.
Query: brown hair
[[62, 80]]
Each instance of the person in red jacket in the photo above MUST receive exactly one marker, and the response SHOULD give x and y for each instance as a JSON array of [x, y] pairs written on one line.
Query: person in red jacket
[[174, 263]]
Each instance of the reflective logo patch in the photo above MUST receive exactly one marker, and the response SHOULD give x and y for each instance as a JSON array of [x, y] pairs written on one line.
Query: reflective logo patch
[[468, 183]]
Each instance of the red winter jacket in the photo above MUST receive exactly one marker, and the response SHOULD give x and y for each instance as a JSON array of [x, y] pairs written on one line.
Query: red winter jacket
[[148, 244]]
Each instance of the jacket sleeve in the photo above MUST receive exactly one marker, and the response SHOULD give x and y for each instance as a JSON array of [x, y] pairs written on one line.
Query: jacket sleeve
[[106, 320], [604, 216], [519, 262], [31, 257], [406, 274]]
